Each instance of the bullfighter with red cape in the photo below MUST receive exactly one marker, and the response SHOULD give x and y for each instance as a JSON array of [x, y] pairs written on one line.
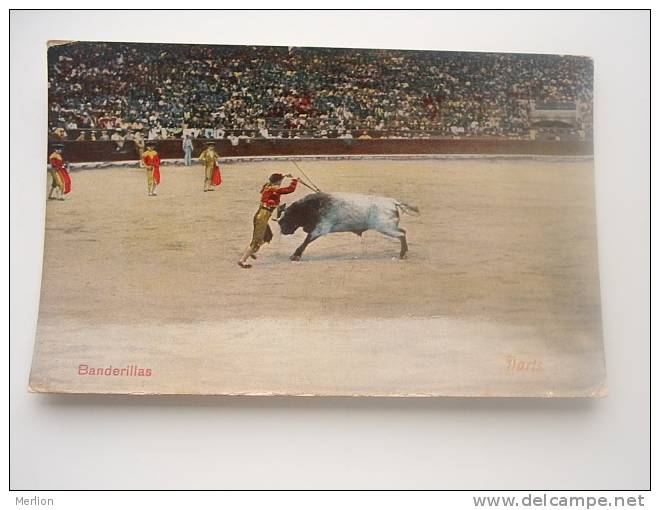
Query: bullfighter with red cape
[[151, 161], [61, 181]]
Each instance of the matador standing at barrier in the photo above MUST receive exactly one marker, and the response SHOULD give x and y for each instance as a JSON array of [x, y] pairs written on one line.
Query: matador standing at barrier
[[139, 145], [209, 157], [151, 161]]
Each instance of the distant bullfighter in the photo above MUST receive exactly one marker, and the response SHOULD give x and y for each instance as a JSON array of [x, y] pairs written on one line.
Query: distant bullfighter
[[322, 213]]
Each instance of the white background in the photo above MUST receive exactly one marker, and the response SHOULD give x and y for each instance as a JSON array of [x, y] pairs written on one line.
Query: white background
[[192, 442]]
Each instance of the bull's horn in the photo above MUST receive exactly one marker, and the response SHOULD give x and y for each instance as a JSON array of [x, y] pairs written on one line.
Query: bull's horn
[[280, 211]]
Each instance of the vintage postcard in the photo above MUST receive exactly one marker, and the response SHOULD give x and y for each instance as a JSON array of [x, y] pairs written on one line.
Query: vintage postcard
[[245, 220]]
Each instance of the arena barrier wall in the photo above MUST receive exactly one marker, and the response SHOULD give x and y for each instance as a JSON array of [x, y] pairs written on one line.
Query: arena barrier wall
[[108, 151]]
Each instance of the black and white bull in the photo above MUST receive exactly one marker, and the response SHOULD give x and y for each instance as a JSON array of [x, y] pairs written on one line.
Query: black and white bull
[[322, 213]]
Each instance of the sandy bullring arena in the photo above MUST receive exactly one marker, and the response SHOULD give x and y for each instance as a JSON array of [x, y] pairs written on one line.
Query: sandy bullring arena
[[499, 293]]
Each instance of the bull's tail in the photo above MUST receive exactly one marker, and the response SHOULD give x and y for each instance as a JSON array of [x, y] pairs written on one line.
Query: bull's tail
[[408, 209]]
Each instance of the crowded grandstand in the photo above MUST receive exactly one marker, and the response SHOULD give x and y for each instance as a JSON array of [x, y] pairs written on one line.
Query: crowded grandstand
[[112, 91]]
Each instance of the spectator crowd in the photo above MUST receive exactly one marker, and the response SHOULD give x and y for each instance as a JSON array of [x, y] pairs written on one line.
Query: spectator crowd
[[110, 91]]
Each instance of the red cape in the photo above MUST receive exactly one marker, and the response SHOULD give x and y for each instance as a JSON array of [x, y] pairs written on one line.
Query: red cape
[[216, 179], [65, 178]]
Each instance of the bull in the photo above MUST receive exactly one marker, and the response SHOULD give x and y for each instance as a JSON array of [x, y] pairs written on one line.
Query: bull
[[321, 213]]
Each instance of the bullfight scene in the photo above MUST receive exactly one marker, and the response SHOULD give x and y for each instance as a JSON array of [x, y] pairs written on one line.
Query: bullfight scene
[[318, 221]]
